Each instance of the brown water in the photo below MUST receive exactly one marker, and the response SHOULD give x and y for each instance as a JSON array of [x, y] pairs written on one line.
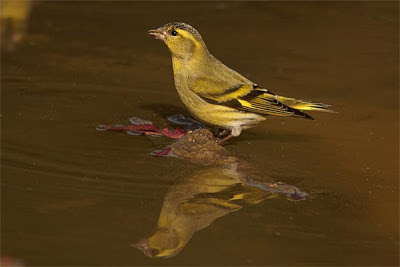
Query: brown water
[[75, 196]]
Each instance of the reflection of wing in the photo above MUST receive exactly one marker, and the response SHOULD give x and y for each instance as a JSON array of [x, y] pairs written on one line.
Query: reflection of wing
[[205, 207]]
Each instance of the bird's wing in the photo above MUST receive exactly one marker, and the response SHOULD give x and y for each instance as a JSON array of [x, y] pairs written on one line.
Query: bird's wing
[[218, 90], [264, 102], [243, 96]]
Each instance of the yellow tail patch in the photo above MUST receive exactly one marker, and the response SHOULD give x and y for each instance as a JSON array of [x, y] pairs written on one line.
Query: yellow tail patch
[[304, 105]]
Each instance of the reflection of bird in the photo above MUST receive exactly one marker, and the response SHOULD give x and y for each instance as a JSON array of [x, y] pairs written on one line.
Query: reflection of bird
[[193, 204], [216, 94], [200, 197]]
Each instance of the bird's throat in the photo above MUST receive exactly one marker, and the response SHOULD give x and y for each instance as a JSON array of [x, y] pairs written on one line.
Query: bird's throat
[[178, 63], [189, 63]]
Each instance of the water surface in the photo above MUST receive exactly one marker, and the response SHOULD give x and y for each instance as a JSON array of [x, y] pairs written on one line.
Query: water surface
[[75, 196]]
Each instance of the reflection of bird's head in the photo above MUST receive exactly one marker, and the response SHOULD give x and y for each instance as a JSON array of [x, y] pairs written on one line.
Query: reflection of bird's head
[[164, 243], [181, 39]]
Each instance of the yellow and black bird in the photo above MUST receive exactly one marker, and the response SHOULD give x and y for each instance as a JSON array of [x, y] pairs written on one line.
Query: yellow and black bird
[[216, 94]]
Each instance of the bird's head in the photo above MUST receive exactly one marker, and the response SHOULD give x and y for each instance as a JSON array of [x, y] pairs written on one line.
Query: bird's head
[[163, 243], [182, 39]]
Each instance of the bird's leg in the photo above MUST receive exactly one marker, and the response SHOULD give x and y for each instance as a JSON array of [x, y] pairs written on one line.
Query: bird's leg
[[221, 133], [235, 131], [220, 142]]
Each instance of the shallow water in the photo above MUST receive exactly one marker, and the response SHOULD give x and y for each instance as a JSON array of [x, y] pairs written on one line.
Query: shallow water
[[74, 196]]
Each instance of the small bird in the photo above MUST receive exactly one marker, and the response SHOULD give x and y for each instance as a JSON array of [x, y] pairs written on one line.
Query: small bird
[[216, 94]]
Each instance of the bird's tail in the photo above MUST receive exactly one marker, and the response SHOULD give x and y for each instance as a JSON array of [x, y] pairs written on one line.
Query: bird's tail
[[304, 105]]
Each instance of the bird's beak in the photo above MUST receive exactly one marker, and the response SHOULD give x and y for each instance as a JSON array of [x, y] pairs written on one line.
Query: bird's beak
[[141, 245], [158, 34]]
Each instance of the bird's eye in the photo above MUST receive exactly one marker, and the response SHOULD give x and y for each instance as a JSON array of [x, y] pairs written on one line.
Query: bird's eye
[[174, 33], [154, 251]]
